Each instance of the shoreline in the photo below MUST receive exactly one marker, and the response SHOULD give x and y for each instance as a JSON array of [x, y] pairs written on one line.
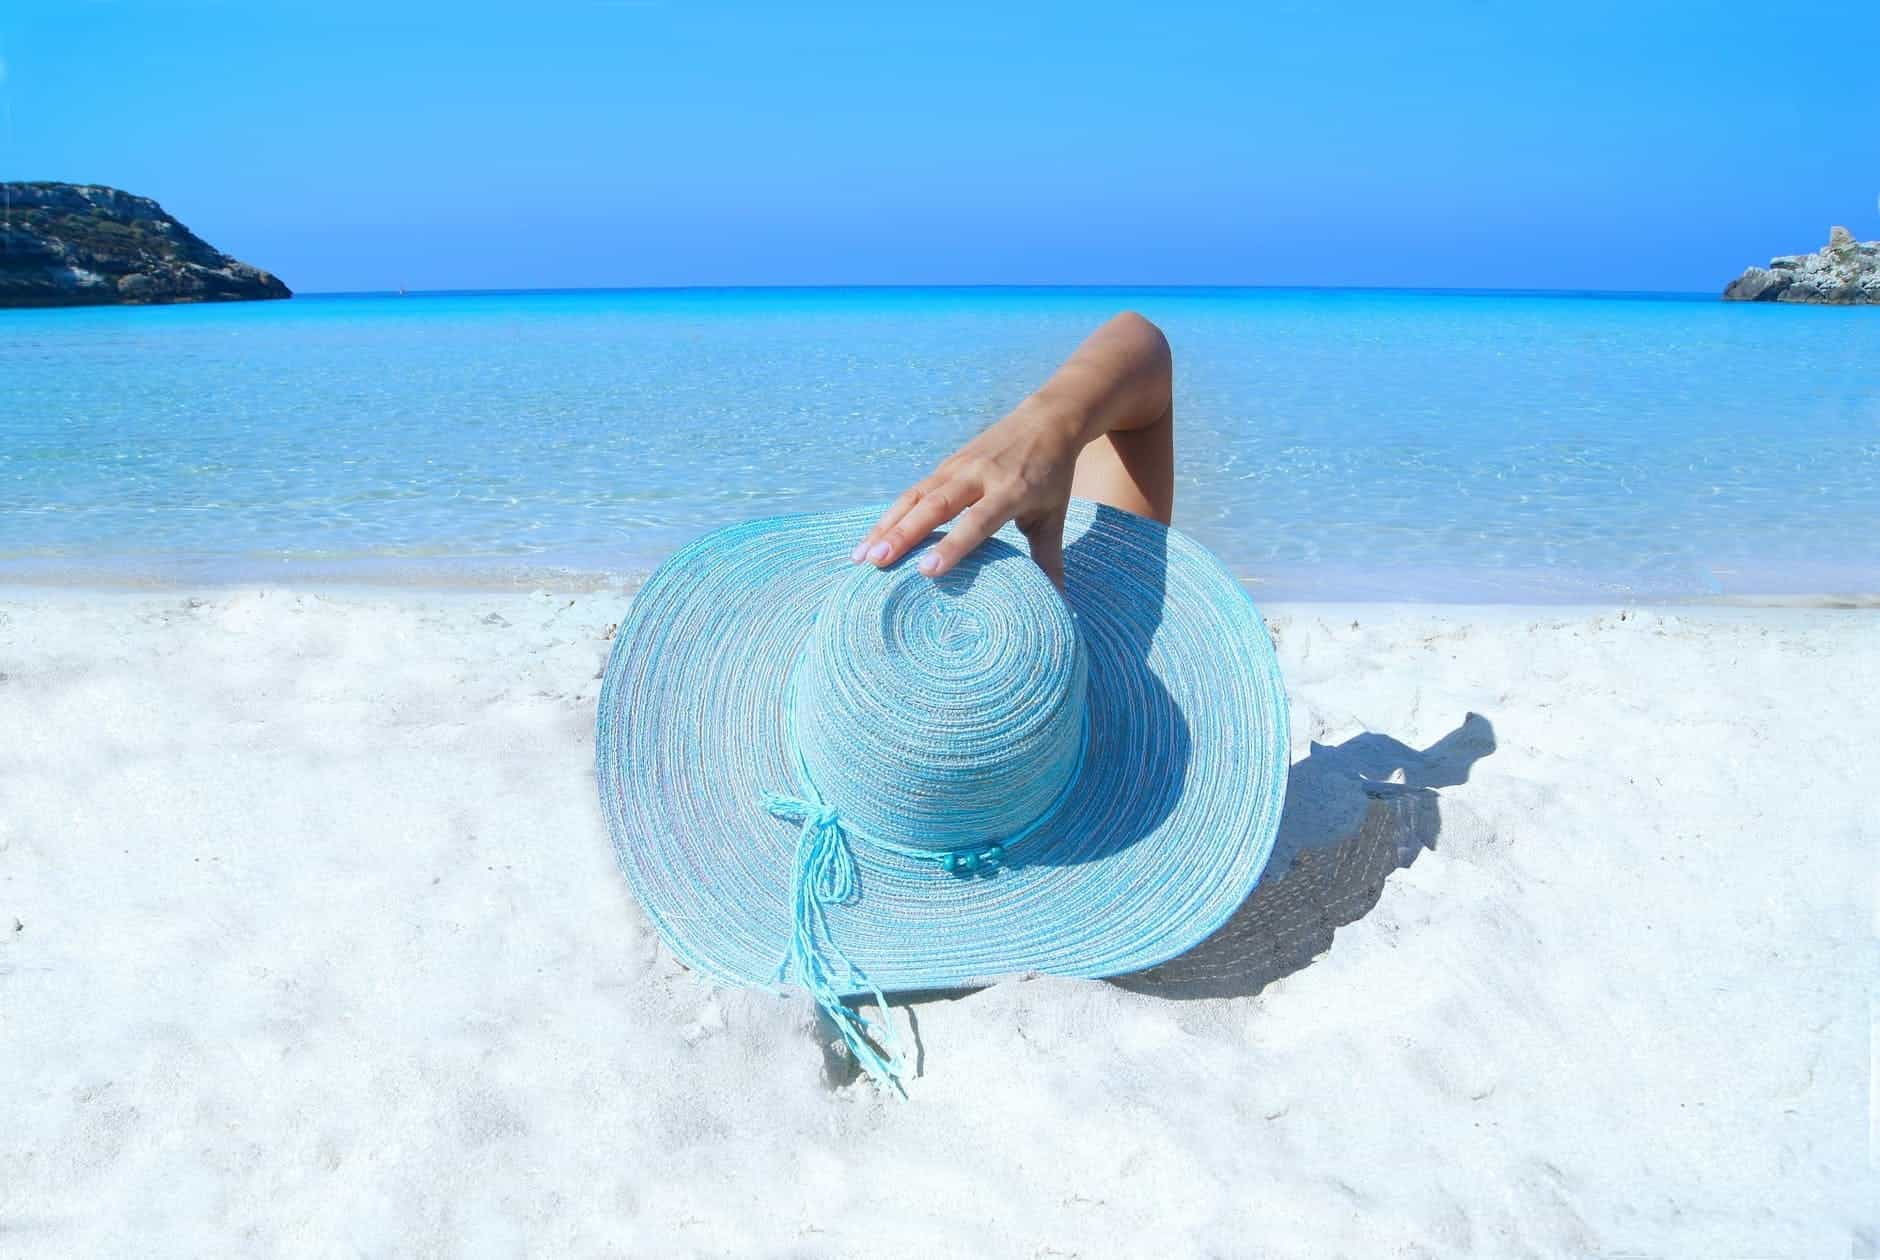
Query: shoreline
[[16, 588]]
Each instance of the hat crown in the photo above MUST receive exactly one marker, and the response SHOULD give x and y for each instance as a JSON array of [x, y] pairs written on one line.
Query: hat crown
[[940, 713]]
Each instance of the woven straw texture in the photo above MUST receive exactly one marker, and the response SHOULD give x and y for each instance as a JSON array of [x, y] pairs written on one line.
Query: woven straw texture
[[1133, 749]]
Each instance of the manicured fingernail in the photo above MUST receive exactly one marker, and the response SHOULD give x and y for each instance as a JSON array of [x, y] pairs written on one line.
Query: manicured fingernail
[[930, 564], [878, 552], [861, 549]]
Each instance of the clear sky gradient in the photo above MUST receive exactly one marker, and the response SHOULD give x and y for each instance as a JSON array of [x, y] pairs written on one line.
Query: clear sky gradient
[[551, 144]]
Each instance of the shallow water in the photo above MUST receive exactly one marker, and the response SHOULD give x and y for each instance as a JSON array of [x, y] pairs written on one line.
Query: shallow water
[[1333, 444]]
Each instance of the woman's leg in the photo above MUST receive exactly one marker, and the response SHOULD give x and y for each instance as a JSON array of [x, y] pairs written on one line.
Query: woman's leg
[[1132, 468]]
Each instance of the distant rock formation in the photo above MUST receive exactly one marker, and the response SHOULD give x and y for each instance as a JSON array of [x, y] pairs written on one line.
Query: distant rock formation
[[85, 245], [1846, 273]]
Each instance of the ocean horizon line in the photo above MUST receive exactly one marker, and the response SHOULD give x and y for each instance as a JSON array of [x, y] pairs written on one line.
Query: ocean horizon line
[[1170, 290]]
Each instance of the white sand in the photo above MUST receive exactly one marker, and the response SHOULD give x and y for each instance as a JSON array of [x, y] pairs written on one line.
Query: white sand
[[311, 943]]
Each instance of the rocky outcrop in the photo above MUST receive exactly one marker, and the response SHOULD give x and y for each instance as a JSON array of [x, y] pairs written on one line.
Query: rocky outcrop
[[1845, 273], [84, 245]]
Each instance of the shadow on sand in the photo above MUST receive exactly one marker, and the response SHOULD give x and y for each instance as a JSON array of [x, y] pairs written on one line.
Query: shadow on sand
[[1354, 813]]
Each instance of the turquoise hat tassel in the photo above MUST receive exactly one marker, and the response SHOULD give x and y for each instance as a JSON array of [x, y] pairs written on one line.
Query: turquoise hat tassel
[[823, 875]]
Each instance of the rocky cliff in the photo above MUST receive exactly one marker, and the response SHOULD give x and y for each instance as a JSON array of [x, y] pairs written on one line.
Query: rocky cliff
[[83, 244], [1846, 272]]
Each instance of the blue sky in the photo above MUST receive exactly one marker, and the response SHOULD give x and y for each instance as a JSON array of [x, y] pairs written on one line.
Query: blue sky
[[1561, 145]]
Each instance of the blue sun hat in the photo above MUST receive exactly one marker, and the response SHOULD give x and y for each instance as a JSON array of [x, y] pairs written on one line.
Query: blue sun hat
[[862, 781]]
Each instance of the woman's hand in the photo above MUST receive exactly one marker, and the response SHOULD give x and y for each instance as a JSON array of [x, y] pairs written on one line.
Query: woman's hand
[[1022, 469], [1018, 470]]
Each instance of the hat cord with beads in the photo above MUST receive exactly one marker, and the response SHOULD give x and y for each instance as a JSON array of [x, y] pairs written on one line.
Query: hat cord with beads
[[823, 874]]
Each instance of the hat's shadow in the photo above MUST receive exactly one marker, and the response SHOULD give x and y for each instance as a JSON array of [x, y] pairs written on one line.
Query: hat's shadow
[[1119, 643], [1354, 813]]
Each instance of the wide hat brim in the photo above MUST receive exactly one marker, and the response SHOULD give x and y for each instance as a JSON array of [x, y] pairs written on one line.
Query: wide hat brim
[[1164, 834]]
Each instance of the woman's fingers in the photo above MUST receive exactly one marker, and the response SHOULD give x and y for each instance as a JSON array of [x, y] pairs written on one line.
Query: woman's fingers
[[979, 523], [935, 508], [895, 512]]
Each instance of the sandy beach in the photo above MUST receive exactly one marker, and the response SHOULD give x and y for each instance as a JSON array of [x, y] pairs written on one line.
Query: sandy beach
[[311, 943]]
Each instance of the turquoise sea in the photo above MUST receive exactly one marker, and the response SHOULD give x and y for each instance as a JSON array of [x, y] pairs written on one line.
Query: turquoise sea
[[1332, 443]]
